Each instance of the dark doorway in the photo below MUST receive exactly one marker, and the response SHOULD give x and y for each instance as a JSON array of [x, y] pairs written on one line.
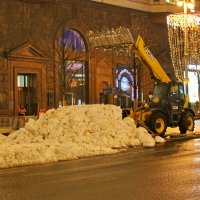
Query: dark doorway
[[28, 92]]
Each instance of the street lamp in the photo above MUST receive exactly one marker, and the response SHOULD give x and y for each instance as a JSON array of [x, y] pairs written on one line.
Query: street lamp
[[186, 4], [183, 31]]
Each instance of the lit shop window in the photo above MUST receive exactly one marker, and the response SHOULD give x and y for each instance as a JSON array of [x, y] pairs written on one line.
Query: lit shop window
[[193, 87], [73, 63], [125, 84], [125, 80], [22, 81]]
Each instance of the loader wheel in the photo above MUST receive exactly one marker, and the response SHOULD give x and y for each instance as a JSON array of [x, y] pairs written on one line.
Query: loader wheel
[[158, 124], [186, 122]]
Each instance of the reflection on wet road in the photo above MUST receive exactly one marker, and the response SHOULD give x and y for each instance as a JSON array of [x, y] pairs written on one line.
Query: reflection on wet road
[[168, 171]]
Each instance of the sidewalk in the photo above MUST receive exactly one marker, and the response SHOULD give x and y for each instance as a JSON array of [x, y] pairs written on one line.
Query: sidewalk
[[6, 130], [13, 123]]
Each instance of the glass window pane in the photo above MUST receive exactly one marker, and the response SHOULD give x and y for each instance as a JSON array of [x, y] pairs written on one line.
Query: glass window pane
[[72, 41], [20, 81]]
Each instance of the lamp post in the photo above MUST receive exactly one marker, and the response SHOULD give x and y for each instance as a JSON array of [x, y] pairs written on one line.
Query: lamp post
[[178, 25], [188, 5]]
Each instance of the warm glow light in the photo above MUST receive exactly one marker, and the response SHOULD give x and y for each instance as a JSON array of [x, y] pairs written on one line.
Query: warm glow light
[[180, 25], [179, 3], [184, 40], [186, 4], [183, 20], [190, 5]]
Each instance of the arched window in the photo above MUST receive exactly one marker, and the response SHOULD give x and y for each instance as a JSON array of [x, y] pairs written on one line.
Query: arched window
[[125, 80], [73, 68], [125, 83], [72, 41]]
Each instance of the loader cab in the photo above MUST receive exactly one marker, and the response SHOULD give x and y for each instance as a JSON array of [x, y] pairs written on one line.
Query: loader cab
[[169, 96], [177, 100], [160, 94]]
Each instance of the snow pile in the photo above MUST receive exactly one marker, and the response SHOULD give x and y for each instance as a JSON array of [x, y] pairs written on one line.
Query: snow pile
[[69, 133]]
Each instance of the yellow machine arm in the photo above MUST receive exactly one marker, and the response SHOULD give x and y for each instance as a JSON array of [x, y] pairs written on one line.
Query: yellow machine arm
[[147, 59]]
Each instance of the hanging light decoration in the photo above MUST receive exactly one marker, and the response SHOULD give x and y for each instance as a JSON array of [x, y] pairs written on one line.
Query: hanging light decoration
[[184, 38]]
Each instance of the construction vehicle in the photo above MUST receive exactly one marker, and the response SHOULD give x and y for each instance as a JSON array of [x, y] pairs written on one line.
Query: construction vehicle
[[169, 106]]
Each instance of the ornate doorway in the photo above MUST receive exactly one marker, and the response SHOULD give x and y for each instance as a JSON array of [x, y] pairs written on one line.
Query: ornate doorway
[[29, 85]]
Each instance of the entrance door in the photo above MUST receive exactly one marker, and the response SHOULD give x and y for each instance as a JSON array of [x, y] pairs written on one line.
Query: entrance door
[[27, 92]]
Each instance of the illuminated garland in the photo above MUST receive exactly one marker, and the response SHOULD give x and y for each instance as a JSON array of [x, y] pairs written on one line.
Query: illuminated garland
[[179, 27]]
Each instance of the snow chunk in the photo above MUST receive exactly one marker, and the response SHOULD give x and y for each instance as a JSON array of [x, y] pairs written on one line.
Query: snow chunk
[[145, 138], [159, 139]]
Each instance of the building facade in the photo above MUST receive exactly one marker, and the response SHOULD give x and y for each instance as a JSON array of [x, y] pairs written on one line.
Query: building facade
[[47, 60]]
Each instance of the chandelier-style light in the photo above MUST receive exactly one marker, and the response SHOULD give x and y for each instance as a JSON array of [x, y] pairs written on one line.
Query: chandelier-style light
[[184, 40], [184, 37]]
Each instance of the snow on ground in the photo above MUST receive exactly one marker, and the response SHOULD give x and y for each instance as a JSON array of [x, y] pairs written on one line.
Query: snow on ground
[[175, 131], [72, 132]]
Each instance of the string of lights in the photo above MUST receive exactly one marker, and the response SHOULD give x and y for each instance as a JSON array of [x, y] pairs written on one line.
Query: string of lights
[[184, 38], [179, 26]]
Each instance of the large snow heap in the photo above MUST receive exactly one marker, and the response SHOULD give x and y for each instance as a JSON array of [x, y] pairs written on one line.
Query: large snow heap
[[71, 132]]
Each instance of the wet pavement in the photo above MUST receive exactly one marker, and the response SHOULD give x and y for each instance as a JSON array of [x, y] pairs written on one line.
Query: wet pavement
[[168, 171]]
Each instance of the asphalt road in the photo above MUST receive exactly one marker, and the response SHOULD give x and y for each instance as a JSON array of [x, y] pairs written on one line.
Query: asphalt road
[[168, 171]]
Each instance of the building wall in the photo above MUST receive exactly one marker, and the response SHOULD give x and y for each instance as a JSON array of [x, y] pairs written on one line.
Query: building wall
[[40, 23]]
